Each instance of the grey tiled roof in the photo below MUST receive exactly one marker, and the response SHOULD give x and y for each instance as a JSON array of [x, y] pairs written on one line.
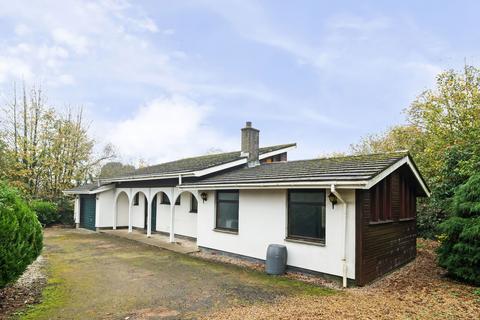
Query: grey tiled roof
[[348, 168], [197, 163]]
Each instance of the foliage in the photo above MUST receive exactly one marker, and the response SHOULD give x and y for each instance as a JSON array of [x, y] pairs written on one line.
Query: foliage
[[65, 211], [459, 252], [466, 202], [20, 235], [430, 214], [47, 212], [442, 137], [50, 151], [111, 169], [401, 137]]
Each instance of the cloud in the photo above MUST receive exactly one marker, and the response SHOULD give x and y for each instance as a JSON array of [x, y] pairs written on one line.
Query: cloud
[[168, 32], [148, 24], [21, 30], [166, 129], [356, 23], [11, 67], [77, 42]]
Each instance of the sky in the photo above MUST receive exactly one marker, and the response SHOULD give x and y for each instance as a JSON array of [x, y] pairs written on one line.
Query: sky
[[162, 80]]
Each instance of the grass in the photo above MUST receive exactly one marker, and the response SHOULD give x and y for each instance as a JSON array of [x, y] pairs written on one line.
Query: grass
[[53, 297], [291, 285], [92, 276], [255, 277]]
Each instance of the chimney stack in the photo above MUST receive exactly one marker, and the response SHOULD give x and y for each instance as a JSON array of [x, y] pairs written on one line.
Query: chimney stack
[[250, 144]]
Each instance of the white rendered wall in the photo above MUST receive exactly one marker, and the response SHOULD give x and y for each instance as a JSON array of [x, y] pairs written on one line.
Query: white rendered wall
[[76, 209], [185, 221], [104, 209], [138, 212], [122, 210], [263, 221]]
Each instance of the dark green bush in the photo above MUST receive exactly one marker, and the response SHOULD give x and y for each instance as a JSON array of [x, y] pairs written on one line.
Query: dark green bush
[[459, 251], [21, 235], [65, 210], [47, 212], [431, 212]]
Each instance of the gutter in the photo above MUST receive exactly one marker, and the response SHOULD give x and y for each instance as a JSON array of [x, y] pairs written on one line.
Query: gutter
[[95, 191], [312, 184], [344, 256]]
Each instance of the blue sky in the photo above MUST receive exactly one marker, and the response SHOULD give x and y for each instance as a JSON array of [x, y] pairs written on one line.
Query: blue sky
[[168, 79]]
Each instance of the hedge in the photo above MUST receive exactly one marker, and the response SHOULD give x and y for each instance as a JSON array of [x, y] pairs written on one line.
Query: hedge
[[47, 212], [21, 237]]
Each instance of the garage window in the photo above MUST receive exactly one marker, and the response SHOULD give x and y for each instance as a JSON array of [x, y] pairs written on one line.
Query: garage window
[[306, 215], [227, 210]]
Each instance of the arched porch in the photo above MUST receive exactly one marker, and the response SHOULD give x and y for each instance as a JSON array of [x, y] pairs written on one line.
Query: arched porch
[[162, 210]]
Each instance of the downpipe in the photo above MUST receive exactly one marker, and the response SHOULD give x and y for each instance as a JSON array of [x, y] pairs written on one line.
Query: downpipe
[[344, 256]]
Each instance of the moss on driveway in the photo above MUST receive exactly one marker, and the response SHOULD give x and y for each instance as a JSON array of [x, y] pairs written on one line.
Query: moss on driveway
[[97, 276]]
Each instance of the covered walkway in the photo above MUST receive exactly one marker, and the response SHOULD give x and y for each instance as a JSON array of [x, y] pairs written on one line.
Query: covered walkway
[[156, 240]]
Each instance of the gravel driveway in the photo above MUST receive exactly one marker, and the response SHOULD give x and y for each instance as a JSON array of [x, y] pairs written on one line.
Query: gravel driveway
[[96, 276]]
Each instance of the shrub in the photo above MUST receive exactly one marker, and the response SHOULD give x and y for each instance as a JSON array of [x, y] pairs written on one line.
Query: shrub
[[431, 212], [459, 251], [20, 235], [65, 210], [47, 212]]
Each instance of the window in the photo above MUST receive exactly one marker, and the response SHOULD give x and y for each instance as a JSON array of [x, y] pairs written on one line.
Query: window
[[136, 199], [227, 210], [408, 200], [381, 201], [193, 204], [165, 200], [306, 215]]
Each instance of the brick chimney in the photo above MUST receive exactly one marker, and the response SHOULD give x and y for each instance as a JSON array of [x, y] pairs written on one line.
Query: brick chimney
[[250, 144]]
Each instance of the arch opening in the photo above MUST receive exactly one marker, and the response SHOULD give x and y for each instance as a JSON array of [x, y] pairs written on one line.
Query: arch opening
[[122, 204]]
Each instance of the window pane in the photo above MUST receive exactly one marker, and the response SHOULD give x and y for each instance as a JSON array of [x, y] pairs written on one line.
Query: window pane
[[193, 204], [165, 199], [306, 214], [307, 221], [136, 199], [299, 196], [232, 196], [227, 215]]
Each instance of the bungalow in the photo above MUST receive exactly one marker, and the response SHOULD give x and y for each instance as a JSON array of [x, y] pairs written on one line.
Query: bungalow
[[351, 217]]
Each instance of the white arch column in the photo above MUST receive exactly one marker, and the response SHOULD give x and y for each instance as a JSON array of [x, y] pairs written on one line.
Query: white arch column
[[114, 224], [130, 203], [172, 216], [149, 212]]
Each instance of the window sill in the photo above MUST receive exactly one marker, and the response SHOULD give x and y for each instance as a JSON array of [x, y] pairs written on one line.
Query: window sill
[[225, 231], [407, 219], [193, 212], [374, 223], [303, 241]]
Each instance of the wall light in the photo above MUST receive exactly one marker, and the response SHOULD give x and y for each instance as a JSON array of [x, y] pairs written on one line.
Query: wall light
[[204, 196], [333, 199]]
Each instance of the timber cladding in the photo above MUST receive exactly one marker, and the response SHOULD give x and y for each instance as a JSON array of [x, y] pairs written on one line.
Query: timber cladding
[[384, 245]]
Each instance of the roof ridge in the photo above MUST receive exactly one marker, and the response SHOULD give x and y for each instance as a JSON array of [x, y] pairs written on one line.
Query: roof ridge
[[403, 152], [280, 146], [366, 154]]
